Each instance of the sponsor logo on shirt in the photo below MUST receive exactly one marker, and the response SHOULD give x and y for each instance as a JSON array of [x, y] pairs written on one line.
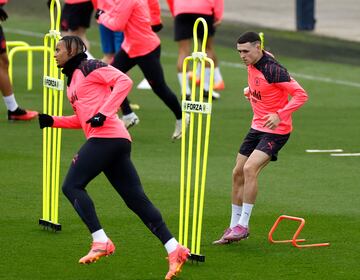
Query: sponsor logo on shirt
[[256, 94]]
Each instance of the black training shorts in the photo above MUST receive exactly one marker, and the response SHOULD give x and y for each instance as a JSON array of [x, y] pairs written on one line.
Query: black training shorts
[[74, 16], [268, 143], [184, 24]]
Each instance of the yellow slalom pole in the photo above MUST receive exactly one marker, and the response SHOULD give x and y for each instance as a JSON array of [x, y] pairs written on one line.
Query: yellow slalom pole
[[205, 159], [188, 147], [53, 105], [194, 238]]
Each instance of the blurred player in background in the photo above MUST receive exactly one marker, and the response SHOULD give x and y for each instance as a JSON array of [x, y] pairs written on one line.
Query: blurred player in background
[[185, 14], [156, 26], [95, 91], [141, 47], [269, 89], [14, 111], [76, 18], [110, 40]]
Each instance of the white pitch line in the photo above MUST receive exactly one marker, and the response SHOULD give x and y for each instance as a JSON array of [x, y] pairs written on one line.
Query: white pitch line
[[346, 155], [223, 63], [325, 151]]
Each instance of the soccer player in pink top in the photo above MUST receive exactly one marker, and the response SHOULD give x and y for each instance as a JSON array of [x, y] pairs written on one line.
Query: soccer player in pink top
[[270, 86], [95, 91], [185, 14], [141, 47], [15, 113]]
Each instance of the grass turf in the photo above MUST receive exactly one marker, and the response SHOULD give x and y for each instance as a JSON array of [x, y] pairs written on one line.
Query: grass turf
[[320, 188]]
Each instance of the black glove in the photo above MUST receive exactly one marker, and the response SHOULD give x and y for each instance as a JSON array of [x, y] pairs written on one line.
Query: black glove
[[97, 120], [45, 120], [157, 27], [98, 13], [3, 14]]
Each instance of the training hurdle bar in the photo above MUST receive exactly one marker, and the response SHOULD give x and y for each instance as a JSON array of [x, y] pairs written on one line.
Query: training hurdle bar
[[29, 50], [11, 44], [294, 239]]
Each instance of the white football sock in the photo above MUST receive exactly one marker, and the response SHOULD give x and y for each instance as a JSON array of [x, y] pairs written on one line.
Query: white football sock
[[245, 214], [99, 236], [217, 75], [188, 91], [10, 102], [235, 214], [171, 245], [207, 79]]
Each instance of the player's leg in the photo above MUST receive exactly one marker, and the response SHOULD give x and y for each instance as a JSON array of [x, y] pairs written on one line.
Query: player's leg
[[251, 169], [183, 33], [266, 150], [85, 166], [210, 50], [151, 67], [124, 178], [107, 43], [236, 197], [14, 111]]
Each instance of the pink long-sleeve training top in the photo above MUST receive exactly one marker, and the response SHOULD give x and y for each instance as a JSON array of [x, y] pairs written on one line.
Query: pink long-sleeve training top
[[270, 86], [205, 7], [133, 18], [96, 88]]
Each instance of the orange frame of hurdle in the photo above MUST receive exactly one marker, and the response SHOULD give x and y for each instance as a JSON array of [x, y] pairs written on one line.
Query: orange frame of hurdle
[[294, 239]]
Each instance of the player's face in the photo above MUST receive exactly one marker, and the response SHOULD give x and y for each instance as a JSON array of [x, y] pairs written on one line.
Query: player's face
[[61, 54], [250, 53]]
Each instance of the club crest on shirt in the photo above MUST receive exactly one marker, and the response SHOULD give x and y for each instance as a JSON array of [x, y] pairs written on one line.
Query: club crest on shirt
[[257, 82]]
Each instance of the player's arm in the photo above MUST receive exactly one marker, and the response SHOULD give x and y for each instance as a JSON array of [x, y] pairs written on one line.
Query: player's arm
[[121, 85], [171, 6], [71, 122], [298, 97], [155, 15], [117, 18]]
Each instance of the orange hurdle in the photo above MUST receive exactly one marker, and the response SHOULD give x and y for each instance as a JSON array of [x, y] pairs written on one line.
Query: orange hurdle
[[294, 239]]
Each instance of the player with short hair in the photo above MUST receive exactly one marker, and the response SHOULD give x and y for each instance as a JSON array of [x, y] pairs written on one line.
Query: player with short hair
[[95, 91], [269, 88], [14, 112]]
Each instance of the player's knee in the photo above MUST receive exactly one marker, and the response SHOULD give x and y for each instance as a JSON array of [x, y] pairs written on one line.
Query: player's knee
[[250, 170], [237, 173], [69, 188]]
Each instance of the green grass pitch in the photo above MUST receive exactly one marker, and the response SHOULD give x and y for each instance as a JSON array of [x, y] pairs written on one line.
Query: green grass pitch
[[322, 189]]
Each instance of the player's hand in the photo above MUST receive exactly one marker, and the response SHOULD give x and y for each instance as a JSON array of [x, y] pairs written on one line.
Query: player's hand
[[272, 121], [45, 120], [3, 14], [97, 120], [98, 13], [157, 27], [247, 93]]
